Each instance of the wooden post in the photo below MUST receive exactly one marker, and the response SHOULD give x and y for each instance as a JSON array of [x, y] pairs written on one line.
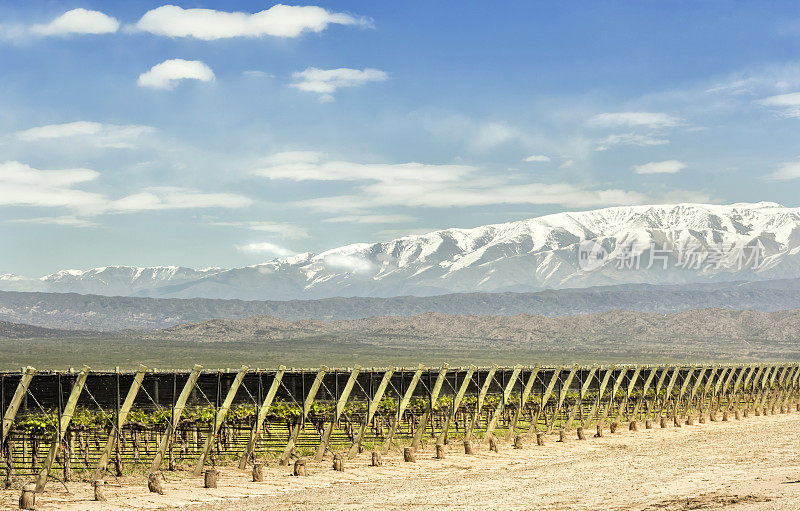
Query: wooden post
[[526, 392], [58, 438], [377, 461], [402, 408], [506, 394], [113, 437], [545, 397], [99, 493], [539, 438], [338, 462], [631, 384], [646, 387], [479, 403], [596, 404], [493, 444], [326, 433], [581, 395], [255, 432], [154, 483], [28, 498], [682, 391], [19, 394], [439, 451], [258, 472], [223, 411], [423, 421], [408, 455], [312, 393], [468, 446], [518, 441], [462, 390], [581, 434], [176, 417], [614, 389], [373, 407], [210, 478], [562, 395]]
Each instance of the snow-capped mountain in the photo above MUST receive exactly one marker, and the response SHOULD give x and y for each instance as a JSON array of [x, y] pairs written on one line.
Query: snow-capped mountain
[[666, 244]]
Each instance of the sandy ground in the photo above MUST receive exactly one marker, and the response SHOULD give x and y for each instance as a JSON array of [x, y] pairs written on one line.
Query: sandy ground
[[736, 465]]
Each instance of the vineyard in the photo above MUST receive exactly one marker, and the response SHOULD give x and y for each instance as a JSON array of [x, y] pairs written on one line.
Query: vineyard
[[84, 425]]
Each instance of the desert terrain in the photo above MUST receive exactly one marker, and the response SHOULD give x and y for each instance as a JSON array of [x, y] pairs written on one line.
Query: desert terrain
[[751, 464]]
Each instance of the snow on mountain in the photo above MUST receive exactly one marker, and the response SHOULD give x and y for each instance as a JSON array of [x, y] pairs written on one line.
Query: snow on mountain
[[662, 244]]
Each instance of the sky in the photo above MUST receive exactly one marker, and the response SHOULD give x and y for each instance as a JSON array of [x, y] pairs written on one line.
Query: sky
[[229, 133]]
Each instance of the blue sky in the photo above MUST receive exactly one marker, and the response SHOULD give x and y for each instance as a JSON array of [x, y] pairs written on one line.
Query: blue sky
[[139, 133]]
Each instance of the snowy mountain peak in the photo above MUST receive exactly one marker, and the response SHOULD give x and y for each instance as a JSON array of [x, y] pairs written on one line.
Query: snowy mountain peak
[[525, 255]]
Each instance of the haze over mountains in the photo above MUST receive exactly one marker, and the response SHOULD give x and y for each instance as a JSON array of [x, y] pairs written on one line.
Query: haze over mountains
[[523, 256]]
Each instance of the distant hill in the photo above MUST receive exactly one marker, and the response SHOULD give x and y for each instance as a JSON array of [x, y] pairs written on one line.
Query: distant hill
[[697, 243], [10, 330], [104, 313], [708, 333]]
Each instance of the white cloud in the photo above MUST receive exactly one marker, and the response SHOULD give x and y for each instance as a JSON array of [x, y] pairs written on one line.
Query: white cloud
[[326, 81], [101, 135], [494, 134], [635, 119], [433, 186], [22, 185], [208, 24], [786, 172], [284, 230], [788, 104], [348, 262], [265, 248], [660, 167], [78, 21], [166, 197], [630, 139], [167, 74], [372, 219], [537, 158], [65, 220], [307, 166]]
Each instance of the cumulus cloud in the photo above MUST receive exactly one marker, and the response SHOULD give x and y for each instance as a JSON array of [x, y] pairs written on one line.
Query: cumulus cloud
[[537, 158], [265, 247], [633, 139], [78, 21], [169, 73], [208, 24], [660, 167], [100, 135], [327, 81], [787, 104], [785, 172], [635, 119]]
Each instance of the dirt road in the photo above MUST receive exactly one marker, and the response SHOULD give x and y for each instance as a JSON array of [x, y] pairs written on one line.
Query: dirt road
[[735, 465]]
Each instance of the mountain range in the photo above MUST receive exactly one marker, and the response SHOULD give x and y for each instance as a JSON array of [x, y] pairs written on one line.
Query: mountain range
[[624, 245]]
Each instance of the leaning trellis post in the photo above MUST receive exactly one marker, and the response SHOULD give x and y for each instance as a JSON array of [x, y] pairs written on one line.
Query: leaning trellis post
[[402, 408], [255, 432], [456, 403], [16, 401], [58, 438], [428, 414], [312, 393], [328, 429], [526, 392], [499, 409], [645, 388], [697, 382], [114, 435], [223, 411], [479, 404], [373, 407], [682, 391], [631, 384], [617, 382], [561, 396], [176, 417], [596, 403], [545, 397], [579, 402]]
